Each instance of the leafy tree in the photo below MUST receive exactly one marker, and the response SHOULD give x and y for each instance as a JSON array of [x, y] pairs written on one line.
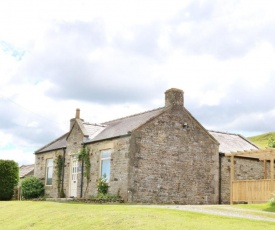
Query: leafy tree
[[9, 177], [271, 142], [32, 188]]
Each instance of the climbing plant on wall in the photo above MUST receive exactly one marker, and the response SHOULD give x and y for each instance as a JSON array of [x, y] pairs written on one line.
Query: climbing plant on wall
[[59, 169], [84, 156]]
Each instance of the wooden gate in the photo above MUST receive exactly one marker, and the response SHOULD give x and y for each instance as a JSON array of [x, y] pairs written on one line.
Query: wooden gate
[[251, 191]]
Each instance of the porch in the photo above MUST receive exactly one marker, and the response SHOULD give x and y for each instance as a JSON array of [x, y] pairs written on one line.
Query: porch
[[253, 191]]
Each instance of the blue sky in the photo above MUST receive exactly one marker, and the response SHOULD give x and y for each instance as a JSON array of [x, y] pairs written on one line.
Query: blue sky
[[116, 58]]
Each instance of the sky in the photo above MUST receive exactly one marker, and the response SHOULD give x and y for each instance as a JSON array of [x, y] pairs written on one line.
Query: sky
[[114, 58]]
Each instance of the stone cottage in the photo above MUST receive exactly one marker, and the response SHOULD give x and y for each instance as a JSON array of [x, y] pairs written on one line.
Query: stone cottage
[[160, 156]]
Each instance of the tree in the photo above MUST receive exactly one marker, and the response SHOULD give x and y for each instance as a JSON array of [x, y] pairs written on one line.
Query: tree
[[271, 142], [9, 177]]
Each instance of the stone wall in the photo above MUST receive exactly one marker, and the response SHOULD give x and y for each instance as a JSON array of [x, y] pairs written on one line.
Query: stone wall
[[173, 163], [244, 168], [119, 165], [40, 171]]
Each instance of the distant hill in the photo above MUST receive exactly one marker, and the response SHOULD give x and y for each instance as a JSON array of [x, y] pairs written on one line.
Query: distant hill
[[262, 140]]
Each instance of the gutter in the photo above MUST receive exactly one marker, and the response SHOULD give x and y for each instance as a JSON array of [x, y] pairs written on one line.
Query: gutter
[[220, 177], [82, 170]]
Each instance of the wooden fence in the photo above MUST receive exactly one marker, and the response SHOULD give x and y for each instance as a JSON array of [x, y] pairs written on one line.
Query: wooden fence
[[252, 191]]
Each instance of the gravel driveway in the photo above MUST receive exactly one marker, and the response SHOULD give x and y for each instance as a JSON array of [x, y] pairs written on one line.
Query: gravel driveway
[[225, 210]]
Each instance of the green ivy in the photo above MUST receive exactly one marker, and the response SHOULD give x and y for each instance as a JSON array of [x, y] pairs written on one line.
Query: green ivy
[[84, 156], [59, 169]]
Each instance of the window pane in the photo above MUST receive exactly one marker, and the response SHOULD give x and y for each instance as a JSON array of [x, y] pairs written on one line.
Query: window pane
[[49, 162], [105, 168], [49, 172], [105, 154]]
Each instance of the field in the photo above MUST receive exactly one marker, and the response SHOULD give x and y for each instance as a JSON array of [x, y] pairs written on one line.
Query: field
[[262, 140], [54, 215]]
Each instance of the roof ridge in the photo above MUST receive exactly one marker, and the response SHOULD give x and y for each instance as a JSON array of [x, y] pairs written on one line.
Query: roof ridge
[[133, 115], [27, 165], [95, 124], [215, 131]]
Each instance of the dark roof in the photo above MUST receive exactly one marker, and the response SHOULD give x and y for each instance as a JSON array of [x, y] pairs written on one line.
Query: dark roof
[[120, 127], [26, 170], [230, 142], [56, 144], [123, 126], [110, 129]]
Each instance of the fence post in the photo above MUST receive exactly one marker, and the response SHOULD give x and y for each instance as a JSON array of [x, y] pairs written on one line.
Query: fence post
[[231, 179]]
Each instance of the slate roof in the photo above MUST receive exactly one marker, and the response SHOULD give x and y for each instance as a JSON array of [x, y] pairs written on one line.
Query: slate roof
[[123, 126], [120, 127], [59, 143], [26, 170], [230, 142]]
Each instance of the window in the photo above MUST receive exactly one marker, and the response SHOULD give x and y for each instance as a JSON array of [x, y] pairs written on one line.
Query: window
[[105, 159], [49, 172]]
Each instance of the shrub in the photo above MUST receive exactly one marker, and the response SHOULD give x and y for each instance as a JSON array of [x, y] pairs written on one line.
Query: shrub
[[271, 142], [32, 188], [9, 177], [105, 196], [102, 185], [272, 200]]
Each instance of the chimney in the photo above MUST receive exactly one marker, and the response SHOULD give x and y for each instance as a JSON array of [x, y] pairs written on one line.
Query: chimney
[[77, 116], [174, 97]]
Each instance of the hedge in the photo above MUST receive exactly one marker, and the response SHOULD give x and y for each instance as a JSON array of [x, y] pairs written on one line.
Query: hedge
[[9, 177]]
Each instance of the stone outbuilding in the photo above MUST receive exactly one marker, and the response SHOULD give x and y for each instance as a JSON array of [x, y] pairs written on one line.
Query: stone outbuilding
[[26, 171], [160, 156]]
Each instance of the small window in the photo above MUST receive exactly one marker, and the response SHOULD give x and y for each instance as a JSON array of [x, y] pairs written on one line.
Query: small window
[[49, 172], [105, 159]]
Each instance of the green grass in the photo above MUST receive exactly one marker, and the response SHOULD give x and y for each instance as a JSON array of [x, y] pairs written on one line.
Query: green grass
[[262, 140], [258, 207], [53, 215]]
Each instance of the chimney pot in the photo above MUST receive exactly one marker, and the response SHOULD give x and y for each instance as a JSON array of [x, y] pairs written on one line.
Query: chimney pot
[[77, 114]]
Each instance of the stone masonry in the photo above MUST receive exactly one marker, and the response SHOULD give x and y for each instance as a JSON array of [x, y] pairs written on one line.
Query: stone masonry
[[173, 159]]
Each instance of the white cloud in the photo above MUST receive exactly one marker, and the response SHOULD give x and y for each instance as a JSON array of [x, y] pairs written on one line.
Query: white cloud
[[116, 58], [18, 155]]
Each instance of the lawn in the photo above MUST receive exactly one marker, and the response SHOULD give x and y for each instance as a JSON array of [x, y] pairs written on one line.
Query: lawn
[[260, 207], [53, 215]]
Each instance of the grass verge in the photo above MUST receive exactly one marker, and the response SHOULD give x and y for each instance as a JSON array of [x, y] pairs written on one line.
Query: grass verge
[[53, 215], [259, 207]]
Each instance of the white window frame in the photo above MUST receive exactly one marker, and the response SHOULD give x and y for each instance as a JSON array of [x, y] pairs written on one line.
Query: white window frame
[[105, 158], [49, 167]]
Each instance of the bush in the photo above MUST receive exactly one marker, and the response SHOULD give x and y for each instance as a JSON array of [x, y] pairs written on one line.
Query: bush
[[32, 188], [9, 177], [102, 185], [272, 200], [105, 196]]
